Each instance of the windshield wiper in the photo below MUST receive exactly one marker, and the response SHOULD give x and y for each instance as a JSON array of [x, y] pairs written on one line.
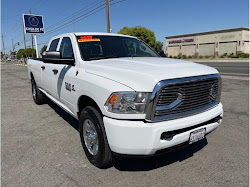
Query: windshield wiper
[[103, 57]]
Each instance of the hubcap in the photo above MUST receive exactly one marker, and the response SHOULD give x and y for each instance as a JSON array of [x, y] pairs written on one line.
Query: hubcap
[[34, 91], [90, 137]]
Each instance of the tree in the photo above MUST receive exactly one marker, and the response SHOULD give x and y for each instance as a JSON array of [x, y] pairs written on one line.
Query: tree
[[21, 53], [43, 49], [142, 33], [158, 46], [30, 52]]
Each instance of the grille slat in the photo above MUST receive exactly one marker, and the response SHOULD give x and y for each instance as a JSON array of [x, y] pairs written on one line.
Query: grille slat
[[188, 86], [187, 106], [195, 95]]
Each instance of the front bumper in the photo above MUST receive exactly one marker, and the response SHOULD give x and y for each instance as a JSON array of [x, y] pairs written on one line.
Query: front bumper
[[141, 138]]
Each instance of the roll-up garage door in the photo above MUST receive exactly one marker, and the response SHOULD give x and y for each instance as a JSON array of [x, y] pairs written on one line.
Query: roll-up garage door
[[188, 50], [206, 49], [228, 48], [173, 51]]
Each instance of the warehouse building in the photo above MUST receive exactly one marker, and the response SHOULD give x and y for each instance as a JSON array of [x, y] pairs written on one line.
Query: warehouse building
[[211, 43]]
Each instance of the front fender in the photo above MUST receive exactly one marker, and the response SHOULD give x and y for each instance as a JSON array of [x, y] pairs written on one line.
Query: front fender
[[99, 89]]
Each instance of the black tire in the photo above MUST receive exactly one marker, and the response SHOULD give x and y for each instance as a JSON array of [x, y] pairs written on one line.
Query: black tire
[[38, 97], [103, 158]]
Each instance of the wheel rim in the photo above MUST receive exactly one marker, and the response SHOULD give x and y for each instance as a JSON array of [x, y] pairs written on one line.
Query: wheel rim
[[34, 91], [90, 137]]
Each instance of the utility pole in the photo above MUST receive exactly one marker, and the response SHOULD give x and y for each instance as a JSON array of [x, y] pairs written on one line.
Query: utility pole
[[12, 46], [3, 45], [24, 40], [32, 44], [108, 19]]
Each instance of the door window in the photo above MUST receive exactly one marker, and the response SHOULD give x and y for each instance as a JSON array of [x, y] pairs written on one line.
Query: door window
[[53, 45], [66, 48]]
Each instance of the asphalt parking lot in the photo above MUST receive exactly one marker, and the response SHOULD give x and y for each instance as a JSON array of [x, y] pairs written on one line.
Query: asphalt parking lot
[[41, 145]]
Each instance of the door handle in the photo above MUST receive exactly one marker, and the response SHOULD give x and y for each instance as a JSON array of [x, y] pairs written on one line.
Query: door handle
[[55, 71], [42, 67]]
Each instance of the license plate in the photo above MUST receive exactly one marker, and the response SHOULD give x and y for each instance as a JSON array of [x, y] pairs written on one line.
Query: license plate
[[197, 135]]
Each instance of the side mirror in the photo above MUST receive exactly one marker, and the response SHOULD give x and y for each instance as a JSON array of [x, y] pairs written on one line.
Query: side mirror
[[162, 54], [55, 57]]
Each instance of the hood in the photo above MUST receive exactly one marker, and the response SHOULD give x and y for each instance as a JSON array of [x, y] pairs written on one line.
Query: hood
[[143, 73]]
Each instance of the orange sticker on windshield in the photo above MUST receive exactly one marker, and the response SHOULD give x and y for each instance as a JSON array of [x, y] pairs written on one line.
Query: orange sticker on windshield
[[88, 39]]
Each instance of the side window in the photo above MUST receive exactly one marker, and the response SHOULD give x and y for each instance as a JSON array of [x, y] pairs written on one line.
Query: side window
[[53, 45], [66, 48]]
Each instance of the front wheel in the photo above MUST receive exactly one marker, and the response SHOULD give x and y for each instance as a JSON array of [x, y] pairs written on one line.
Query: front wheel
[[93, 138]]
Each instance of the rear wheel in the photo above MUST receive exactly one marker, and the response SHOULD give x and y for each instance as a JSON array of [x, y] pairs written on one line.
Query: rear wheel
[[38, 97], [93, 138]]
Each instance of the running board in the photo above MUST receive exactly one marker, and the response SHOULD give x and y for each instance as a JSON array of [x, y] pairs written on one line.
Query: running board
[[63, 106]]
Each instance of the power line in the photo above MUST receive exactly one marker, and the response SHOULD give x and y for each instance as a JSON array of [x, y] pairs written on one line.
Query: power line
[[80, 18], [40, 5], [81, 15], [74, 14], [116, 2], [35, 4]]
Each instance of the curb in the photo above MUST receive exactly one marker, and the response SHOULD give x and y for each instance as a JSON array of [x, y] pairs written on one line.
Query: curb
[[219, 60], [20, 64]]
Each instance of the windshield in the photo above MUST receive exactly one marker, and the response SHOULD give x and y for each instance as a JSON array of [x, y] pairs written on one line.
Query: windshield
[[102, 47]]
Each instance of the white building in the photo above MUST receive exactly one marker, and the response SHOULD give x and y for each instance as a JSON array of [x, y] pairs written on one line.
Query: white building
[[211, 43]]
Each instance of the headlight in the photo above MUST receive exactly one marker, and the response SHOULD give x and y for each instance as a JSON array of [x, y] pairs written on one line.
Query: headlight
[[127, 102]]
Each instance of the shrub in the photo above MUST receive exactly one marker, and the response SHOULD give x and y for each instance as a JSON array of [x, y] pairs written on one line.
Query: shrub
[[184, 56], [189, 56], [170, 56], [243, 55], [206, 56], [200, 56], [231, 55]]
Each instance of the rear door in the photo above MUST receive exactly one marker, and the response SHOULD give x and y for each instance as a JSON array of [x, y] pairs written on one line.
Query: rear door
[[47, 70]]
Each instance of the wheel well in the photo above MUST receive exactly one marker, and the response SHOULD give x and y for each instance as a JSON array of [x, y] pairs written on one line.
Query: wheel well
[[31, 76], [87, 101]]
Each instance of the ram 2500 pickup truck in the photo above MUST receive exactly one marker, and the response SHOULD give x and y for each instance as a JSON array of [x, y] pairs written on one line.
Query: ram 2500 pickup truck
[[128, 100]]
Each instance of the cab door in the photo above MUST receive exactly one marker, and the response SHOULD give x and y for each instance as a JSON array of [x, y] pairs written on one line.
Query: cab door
[[63, 80]]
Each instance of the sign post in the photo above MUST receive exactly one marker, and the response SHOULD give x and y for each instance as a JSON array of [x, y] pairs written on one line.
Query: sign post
[[33, 24], [37, 55]]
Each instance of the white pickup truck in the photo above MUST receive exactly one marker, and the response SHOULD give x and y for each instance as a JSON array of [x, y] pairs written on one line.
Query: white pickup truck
[[128, 100]]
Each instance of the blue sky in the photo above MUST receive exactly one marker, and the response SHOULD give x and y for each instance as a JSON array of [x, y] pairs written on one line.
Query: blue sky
[[164, 17]]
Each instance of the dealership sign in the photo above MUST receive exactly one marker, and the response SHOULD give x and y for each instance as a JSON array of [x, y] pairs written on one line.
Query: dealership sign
[[33, 24], [181, 41]]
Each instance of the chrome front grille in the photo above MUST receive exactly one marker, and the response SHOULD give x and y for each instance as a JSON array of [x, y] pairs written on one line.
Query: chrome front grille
[[184, 96]]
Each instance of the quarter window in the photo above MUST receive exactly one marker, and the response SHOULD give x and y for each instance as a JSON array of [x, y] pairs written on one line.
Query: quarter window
[[66, 48], [53, 45]]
